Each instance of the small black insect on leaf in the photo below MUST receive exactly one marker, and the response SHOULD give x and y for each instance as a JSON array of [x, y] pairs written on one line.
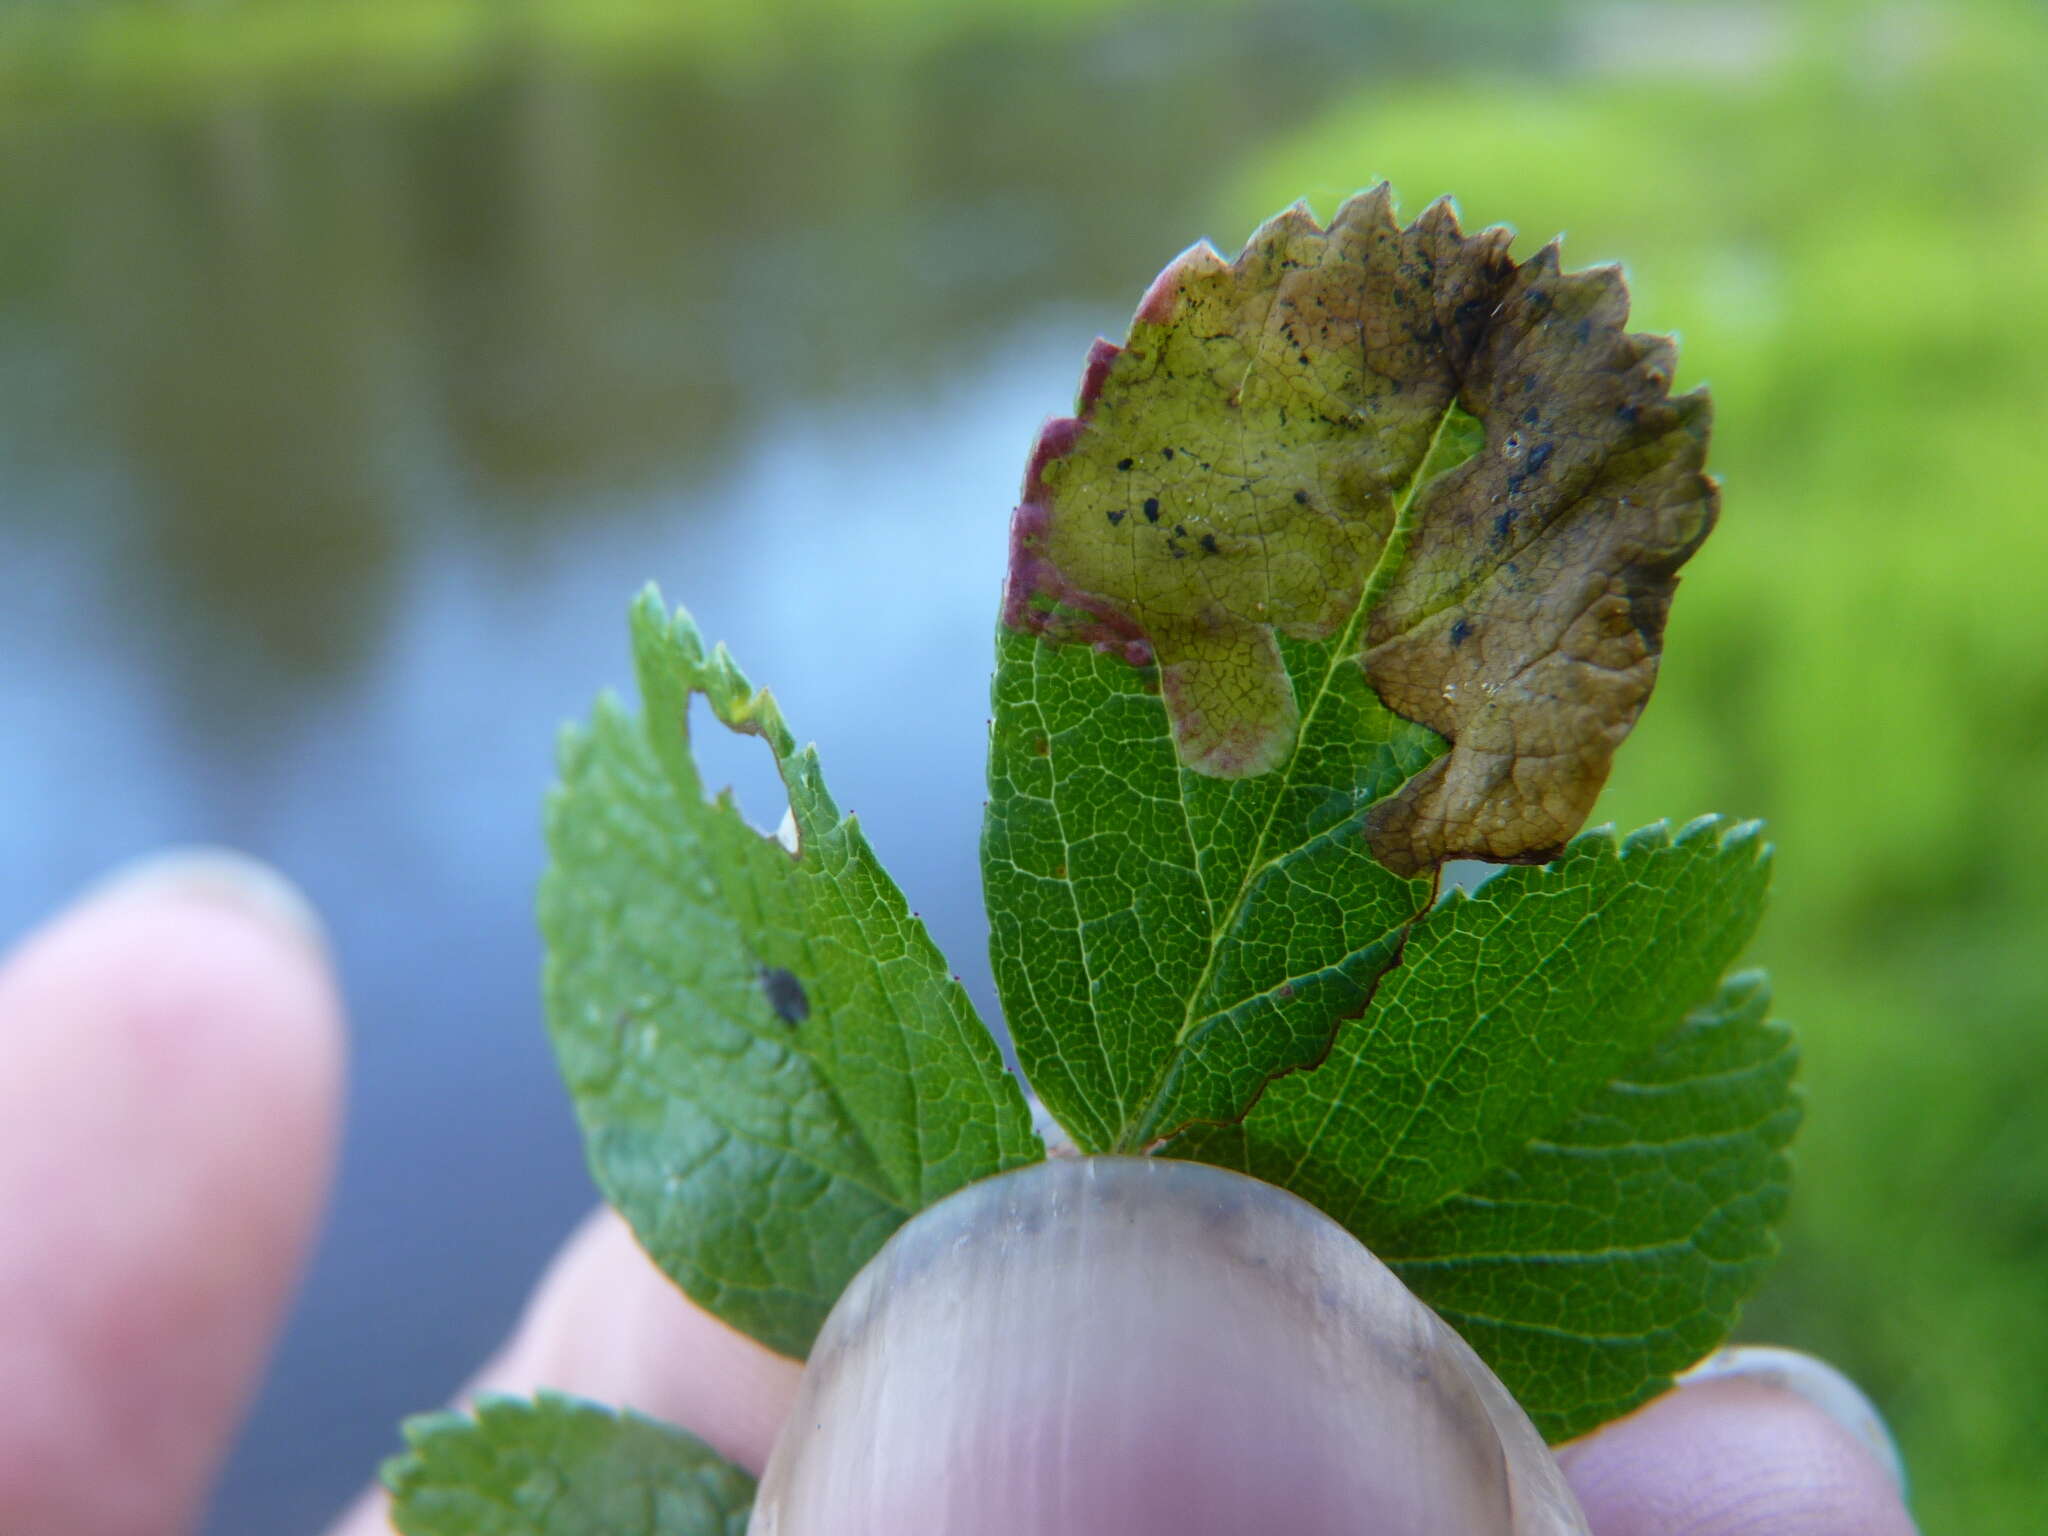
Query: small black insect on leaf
[[785, 994]]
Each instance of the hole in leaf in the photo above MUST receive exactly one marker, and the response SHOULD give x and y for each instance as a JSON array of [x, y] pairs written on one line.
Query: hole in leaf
[[1466, 875], [740, 764]]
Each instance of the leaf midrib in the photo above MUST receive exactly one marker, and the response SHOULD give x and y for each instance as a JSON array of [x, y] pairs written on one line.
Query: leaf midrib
[[1143, 1130]]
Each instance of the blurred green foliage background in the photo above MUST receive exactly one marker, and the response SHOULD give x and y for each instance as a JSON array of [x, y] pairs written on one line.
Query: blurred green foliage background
[[1842, 208], [1849, 230]]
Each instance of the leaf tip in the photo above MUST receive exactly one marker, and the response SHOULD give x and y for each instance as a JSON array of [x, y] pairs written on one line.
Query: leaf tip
[[1373, 209], [1731, 837], [652, 624], [1656, 837], [1745, 993], [572, 743], [1157, 307]]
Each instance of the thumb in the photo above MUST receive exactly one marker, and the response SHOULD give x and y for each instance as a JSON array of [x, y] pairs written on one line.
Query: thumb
[[1146, 1347]]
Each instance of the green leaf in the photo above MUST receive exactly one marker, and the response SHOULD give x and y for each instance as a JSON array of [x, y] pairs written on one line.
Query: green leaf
[[772, 1065], [560, 1467], [1528, 1127], [1617, 1250], [1164, 942], [1510, 1006], [1354, 559]]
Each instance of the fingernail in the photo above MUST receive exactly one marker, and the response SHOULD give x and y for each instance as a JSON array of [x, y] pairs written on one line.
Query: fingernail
[[221, 876], [1819, 1383], [1138, 1344]]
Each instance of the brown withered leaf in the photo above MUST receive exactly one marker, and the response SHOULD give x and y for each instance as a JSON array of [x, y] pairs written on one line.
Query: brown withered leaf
[[1525, 622], [1397, 445]]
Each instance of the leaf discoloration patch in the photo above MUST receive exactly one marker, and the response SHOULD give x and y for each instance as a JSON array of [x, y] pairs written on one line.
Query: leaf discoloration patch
[[1279, 426], [1526, 621]]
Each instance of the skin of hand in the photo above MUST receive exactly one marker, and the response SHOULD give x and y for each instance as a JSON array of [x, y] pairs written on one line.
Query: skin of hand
[[168, 1116]]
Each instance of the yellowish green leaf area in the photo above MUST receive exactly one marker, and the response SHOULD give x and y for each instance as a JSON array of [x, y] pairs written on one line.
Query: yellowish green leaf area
[[773, 1066], [1355, 558], [556, 1466]]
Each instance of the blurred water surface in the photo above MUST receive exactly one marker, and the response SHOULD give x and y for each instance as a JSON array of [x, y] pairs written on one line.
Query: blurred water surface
[[338, 421]]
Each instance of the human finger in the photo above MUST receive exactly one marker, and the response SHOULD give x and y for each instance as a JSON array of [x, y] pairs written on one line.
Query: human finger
[[167, 1120], [1774, 1444], [605, 1324]]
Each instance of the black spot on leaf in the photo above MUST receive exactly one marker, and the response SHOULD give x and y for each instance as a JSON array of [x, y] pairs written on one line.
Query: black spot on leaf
[[785, 994]]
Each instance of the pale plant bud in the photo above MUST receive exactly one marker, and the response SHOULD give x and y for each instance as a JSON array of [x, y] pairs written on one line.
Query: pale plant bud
[[1143, 1347]]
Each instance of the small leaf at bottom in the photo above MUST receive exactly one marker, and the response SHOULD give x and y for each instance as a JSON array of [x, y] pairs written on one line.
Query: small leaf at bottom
[[556, 1466]]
